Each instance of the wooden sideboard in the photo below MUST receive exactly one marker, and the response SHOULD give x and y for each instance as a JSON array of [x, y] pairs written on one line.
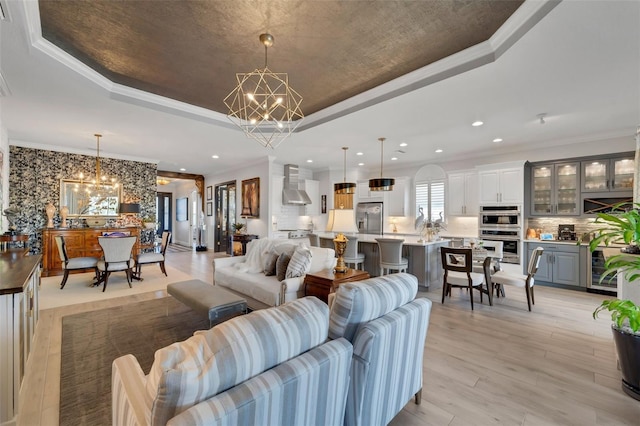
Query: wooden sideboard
[[79, 242]]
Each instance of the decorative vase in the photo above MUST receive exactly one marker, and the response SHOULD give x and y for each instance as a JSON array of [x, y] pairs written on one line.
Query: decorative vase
[[64, 211], [50, 210]]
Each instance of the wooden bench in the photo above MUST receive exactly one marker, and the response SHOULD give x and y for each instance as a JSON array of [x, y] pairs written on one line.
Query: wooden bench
[[216, 302]]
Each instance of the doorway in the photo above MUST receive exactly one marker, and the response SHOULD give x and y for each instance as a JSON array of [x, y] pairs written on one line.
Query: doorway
[[163, 212], [225, 215]]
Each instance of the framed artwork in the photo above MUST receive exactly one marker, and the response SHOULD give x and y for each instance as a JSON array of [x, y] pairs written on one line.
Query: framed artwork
[[209, 193], [182, 209], [323, 203], [209, 208], [251, 198]]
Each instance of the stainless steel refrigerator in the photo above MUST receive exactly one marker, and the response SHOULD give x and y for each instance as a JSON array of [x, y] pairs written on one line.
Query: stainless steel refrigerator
[[369, 218]]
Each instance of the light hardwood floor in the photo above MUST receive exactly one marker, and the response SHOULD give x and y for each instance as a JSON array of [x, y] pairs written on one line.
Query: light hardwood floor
[[495, 365]]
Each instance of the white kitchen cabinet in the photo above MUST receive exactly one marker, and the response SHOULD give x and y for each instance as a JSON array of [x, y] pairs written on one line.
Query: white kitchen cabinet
[[364, 195], [462, 191], [501, 186], [397, 200], [312, 188]]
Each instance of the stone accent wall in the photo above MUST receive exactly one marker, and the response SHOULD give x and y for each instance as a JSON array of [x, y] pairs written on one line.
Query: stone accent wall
[[34, 181], [550, 224]]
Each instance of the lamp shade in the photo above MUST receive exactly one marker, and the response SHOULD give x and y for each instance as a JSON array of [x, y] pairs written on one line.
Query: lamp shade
[[344, 221], [129, 208], [330, 221]]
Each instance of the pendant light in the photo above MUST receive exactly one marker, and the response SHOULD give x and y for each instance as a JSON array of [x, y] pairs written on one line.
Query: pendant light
[[381, 183], [344, 187]]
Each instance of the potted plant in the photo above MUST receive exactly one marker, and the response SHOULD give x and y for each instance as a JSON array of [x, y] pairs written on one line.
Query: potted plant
[[238, 227], [625, 314]]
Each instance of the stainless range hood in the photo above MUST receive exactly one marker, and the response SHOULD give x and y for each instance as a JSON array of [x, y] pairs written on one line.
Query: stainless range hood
[[290, 193]]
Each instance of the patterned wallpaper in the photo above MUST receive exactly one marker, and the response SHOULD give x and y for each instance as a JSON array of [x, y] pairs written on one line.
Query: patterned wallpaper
[[34, 181]]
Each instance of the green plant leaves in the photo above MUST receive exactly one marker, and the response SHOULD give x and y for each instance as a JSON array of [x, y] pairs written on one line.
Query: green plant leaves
[[621, 311]]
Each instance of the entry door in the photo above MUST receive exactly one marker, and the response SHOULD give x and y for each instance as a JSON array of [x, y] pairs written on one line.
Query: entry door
[[225, 215], [164, 212]]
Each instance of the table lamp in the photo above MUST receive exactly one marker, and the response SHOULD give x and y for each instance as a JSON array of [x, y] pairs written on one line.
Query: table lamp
[[343, 221]]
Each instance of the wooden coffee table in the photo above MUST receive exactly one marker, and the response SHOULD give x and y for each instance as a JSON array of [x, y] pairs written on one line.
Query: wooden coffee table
[[323, 282]]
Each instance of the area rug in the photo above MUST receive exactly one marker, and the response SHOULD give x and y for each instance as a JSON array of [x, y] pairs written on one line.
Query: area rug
[[92, 340], [79, 290]]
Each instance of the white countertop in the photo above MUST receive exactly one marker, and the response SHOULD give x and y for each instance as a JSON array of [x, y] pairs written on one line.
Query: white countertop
[[409, 240], [571, 243]]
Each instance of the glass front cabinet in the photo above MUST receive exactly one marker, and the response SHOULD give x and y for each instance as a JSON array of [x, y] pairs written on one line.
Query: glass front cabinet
[[608, 175], [555, 189]]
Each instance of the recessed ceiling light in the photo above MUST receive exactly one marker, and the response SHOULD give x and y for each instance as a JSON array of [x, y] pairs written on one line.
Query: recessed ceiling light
[[438, 150], [309, 161], [359, 153], [182, 169], [394, 158], [215, 156], [496, 140], [360, 164], [403, 144], [477, 123]]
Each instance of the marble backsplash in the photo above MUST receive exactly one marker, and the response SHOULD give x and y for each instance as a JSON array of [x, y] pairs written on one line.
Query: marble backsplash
[[550, 224]]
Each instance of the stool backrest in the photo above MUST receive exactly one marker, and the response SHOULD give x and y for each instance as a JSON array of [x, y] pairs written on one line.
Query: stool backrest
[[351, 250], [390, 250]]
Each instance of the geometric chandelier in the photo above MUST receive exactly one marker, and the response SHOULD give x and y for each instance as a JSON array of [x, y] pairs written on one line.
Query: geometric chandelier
[[263, 104]]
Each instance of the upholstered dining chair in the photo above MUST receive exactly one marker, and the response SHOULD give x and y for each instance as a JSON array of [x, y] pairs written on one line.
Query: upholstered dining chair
[[391, 259], [495, 251], [73, 263], [351, 255], [117, 257], [154, 257], [502, 278], [457, 264]]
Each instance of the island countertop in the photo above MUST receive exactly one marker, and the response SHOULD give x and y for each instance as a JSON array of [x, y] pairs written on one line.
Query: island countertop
[[15, 269], [409, 240]]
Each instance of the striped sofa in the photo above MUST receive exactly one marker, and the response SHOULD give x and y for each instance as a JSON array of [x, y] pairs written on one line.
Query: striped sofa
[[271, 367], [387, 326]]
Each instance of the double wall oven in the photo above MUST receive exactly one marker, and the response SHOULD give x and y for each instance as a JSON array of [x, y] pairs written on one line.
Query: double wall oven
[[502, 223]]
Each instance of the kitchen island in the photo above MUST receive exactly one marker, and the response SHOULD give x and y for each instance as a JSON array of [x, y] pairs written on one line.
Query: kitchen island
[[423, 257]]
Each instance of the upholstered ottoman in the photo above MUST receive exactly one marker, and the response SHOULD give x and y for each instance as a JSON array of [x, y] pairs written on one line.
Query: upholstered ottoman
[[218, 303]]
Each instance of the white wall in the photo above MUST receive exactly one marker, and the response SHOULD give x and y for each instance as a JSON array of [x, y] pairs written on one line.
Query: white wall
[[182, 230], [4, 178]]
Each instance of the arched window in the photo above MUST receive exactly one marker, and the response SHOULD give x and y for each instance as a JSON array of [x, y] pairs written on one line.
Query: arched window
[[429, 193]]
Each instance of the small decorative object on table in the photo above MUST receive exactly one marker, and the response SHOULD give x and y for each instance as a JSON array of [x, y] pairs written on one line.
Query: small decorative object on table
[[238, 227], [64, 211], [50, 210], [429, 229]]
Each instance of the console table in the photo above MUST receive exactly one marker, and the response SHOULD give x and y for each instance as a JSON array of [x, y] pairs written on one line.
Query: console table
[[243, 239], [79, 242]]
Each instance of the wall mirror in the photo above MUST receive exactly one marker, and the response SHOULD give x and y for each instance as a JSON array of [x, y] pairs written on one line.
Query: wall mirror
[[84, 199]]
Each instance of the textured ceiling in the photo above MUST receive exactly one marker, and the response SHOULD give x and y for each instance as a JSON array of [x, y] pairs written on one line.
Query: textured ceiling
[[332, 50]]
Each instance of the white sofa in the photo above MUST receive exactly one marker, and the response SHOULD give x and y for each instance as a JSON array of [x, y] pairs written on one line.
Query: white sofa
[[244, 275]]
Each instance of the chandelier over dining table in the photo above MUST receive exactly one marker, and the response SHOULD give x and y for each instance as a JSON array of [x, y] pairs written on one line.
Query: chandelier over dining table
[[263, 104], [99, 184]]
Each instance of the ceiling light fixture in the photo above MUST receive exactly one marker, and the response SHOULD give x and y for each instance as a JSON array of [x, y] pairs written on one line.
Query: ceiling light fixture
[[101, 182], [263, 104], [381, 184], [162, 181], [215, 156], [477, 123], [438, 150], [344, 187], [496, 140], [541, 117]]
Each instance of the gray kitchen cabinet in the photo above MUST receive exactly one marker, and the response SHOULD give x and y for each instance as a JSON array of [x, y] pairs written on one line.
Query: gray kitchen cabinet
[[608, 175], [371, 258], [555, 189], [561, 263]]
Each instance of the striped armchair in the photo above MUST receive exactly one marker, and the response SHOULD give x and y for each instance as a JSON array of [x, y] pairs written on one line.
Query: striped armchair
[[387, 326], [271, 367]]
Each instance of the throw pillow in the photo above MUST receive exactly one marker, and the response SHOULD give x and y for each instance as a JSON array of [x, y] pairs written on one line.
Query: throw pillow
[[281, 266], [270, 261], [300, 263]]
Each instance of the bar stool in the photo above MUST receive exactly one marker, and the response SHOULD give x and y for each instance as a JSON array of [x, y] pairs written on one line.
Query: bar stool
[[351, 255], [391, 255]]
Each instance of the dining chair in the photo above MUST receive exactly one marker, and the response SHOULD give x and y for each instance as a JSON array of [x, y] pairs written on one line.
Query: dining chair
[[351, 255], [391, 259], [73, 263], [117, 257], [495, 251], [457, 264], [154, 257], [502, 278], [314, 240]]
